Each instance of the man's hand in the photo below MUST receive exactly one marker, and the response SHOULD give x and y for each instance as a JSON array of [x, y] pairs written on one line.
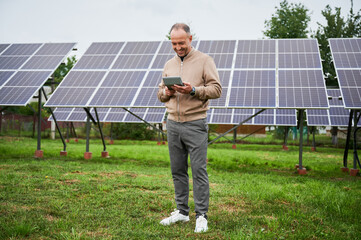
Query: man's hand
[[169, 92], [186, 89]]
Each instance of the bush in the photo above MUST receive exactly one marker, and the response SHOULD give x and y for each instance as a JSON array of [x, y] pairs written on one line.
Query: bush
[[135, 131]]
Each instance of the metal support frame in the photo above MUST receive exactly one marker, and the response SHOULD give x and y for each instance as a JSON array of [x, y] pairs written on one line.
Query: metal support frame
[[39, 121], [111, 131], [56, 123], [355, 155], [313, 138], [149, 124], [100, 129], [300, 124], [262, 110], [87, 132], [287, 129], [349, 130]]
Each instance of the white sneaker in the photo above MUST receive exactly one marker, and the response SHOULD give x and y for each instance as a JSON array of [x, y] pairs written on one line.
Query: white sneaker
[[201, 224], [175, 216]]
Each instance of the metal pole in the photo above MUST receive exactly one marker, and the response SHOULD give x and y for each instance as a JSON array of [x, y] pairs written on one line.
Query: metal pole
[[355, 140], [349, 130], [286, 136], [111, 131], [100, 129], [87, 132], [236, 126], [39, 121], [313, 138], [300, 112], [234, 135]]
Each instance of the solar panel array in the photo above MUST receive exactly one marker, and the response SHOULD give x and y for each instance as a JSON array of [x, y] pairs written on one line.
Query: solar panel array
[[337, 115], [151, 115], [253, 73], [270, 117], [24, 68], [346, 53]]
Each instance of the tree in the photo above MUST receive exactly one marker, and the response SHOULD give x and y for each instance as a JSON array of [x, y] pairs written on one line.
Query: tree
[[336, 27], [289, 21], [62, 70]]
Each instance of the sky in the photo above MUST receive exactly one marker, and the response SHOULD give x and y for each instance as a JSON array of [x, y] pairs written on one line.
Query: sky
[[87, 21]]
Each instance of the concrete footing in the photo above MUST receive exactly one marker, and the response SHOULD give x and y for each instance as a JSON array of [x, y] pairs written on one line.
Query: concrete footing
[[354, 172], [234, 146], [111, 142], [302, 171], [284, 147], [63, 153], [345, 169], [87, 155], [39, 154], [105, 154]]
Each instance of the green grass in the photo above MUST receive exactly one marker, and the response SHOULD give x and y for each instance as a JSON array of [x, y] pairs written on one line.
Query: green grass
[[255, 193]]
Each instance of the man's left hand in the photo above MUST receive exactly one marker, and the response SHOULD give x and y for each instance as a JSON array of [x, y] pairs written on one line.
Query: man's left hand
[[186, 89]]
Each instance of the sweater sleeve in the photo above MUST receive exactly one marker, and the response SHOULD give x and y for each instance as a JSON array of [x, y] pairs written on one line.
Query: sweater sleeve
[[212, 86], [161, 91]]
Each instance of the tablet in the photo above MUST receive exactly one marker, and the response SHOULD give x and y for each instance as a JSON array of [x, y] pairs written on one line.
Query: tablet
[[170, 81]]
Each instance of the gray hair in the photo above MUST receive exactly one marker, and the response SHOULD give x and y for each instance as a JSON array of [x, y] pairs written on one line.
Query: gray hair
[[183, 26]]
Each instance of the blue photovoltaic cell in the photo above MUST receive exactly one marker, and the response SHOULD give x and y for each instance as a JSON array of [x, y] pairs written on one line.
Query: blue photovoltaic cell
[[345, 45], [254, 79], [256, 46], [253, 97], [209, 46], [250, 60], [160, 60], [319, 120], [299, 60], [104, 48], [16, 95], [70, 97], [297, 45], [4, 76], [55, 49], [22, 49], [3, 47], [95, 62], [12, 62], [133, 62], [300, 78], [239, 115], [123, 79], [82, 79], [43, 62], [302, 98], [222, 60], [108, 97], [347, 60], [140, 48], [147, 96], [153, 79], [28, 78]]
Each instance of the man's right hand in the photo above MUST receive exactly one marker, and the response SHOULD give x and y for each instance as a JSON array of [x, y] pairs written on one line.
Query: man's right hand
[[169, 92]]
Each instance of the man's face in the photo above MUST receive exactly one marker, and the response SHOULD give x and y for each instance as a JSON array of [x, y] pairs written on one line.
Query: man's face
[[181, 42]]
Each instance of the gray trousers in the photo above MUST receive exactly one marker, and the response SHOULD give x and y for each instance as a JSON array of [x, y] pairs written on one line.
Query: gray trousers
[[189, 138]]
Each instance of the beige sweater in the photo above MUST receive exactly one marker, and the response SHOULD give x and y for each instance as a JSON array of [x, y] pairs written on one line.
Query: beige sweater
[[200, 71]]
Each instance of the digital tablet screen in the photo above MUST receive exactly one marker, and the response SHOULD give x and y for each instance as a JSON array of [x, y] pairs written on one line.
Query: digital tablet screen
[[170, 81]]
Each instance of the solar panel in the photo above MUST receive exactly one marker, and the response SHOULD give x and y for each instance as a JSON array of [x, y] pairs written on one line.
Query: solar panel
[[251, 72], [346, 53], [337, 115], [24, 68], [151, 115], [272, 117]]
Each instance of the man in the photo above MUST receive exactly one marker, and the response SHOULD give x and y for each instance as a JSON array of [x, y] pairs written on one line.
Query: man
[[187, 128]]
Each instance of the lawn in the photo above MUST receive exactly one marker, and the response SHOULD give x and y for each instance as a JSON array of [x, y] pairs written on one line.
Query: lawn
[[255, 193]]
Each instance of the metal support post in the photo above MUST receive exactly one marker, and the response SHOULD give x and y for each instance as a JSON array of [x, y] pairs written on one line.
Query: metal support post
[[301, 170], [87, 132], [209, 143], [234, 138], [313, 139], [349, 130], [285, 139], [100, 130]]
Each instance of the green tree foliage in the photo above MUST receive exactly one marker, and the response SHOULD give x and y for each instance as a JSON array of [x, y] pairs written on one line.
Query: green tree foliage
[[336, 27], [289, 21], [63, 69]]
